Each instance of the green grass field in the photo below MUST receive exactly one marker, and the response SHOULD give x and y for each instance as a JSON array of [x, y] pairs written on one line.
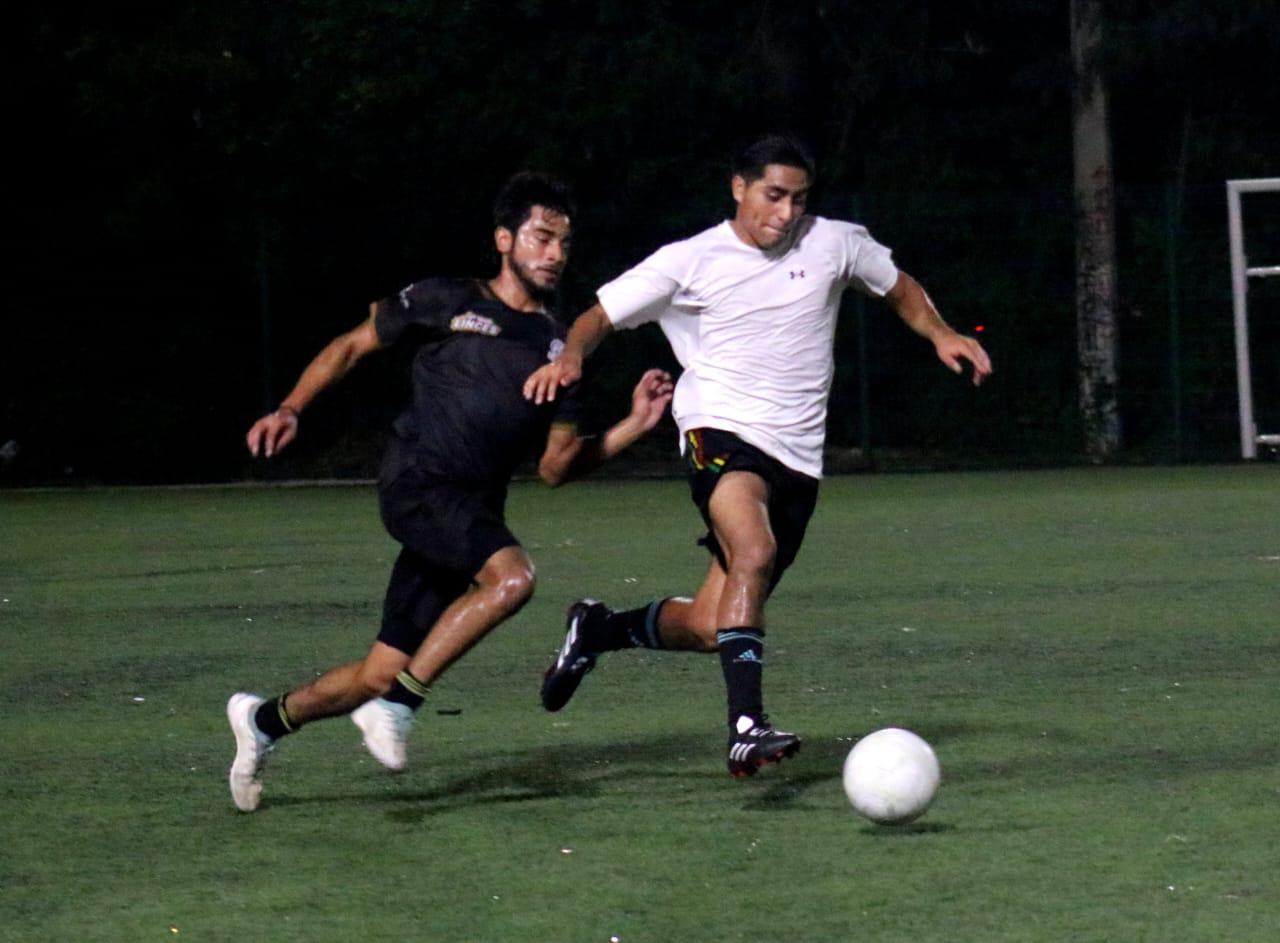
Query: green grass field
[[1095, 655]]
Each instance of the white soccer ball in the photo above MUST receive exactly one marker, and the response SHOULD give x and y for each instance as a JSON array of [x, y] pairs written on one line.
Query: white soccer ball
[[891, 776]]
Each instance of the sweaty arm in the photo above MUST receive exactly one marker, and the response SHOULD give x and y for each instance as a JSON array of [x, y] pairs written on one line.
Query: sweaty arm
[[913, 305], [588, 330], [275, 430], [569, 455]]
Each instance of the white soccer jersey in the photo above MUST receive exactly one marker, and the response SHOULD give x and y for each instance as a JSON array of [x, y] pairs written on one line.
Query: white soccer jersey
[[754, 329]]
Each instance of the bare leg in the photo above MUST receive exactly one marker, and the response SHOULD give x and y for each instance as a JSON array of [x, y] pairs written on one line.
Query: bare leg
[[740, 517], [689, 625], [341, 690], [503, 585], [735, 598]]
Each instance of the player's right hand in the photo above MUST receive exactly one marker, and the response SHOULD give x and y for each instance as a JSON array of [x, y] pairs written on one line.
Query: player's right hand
[[543, 383], [272, 432]]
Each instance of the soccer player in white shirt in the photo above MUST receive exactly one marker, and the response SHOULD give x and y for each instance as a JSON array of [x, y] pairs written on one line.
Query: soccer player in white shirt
[[749, 308]]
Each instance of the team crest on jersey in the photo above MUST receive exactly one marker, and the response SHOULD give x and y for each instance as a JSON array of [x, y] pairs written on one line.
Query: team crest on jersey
[[555, 350], [473, 323]]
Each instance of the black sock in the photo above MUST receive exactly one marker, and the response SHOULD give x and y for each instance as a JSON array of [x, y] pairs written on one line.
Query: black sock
[[273, 720], [407, 690], [635, 628], [742, 661]]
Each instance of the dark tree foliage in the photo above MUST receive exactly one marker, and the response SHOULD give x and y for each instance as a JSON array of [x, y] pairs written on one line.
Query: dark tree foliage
[[206, 192]]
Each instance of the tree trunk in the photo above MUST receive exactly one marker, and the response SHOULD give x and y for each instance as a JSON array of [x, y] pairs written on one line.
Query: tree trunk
[[1096, 329]]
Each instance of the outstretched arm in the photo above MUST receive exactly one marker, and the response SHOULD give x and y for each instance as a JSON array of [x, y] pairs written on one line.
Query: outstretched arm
[[275, 430], [569, 455], [915, 308], [588, 330]]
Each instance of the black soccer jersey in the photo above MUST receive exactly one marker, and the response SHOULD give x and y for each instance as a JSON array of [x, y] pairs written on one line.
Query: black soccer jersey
[[469, 421]]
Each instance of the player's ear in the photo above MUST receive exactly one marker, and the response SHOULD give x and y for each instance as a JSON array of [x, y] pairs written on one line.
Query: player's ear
[[738, 186], [503, 240]]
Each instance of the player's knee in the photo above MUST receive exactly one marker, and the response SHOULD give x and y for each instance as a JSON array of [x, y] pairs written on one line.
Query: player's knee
[[515, 587], [754, 561]]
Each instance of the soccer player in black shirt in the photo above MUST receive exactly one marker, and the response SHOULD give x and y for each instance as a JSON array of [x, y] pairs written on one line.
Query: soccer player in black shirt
[[443, 482]]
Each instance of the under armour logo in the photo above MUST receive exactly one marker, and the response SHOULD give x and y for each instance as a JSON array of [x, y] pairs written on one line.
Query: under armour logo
[[799, 274]]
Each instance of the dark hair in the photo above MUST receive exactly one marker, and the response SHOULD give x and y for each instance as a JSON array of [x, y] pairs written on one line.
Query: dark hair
[[784, 149], [524, 191]]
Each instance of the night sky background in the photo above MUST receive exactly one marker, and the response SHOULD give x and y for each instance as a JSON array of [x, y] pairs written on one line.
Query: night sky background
[[203, 194]]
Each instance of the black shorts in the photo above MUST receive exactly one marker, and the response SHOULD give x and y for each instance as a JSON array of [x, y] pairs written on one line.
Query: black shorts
[[446, 533], [792, 496]]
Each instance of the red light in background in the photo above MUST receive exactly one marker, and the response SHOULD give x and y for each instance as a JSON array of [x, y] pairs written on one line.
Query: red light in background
[[978, 329]]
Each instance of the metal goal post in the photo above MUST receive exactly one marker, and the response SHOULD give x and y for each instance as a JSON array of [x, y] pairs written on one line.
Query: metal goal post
[[1241, 272]]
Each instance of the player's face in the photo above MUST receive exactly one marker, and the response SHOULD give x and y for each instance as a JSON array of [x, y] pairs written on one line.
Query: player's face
[[538, 251], [768, 208]]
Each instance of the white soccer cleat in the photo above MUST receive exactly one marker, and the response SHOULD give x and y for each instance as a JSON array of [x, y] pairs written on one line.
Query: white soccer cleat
[[385, 725], [252, 748]]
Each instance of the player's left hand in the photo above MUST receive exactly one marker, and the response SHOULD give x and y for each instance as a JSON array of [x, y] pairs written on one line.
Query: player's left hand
[[953, 348], [650, 397]]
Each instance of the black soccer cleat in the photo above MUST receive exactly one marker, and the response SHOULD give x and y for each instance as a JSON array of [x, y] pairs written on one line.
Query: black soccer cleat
[[573, 661], [756, 743]]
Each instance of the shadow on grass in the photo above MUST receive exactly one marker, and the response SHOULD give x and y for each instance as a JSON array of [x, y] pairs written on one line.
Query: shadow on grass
[[590, 771], [584, 772], [908, 830], [678, 766]]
